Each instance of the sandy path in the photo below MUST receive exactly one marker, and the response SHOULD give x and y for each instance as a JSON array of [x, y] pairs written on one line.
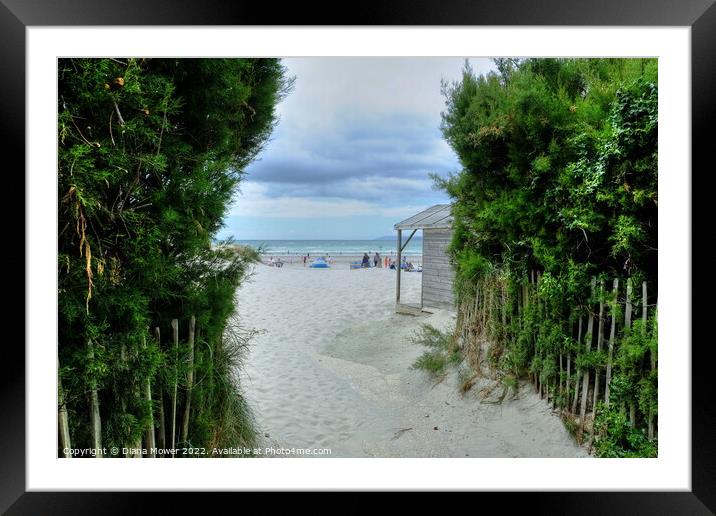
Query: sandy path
[[332, 370]]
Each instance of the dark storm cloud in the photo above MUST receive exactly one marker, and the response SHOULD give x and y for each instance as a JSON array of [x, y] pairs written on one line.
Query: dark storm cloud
[[357, 147]]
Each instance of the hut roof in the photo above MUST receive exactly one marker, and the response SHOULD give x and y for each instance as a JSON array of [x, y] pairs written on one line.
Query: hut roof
[[435, 217]]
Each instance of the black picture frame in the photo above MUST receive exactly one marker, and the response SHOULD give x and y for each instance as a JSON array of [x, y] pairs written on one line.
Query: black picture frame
[[700, 15]]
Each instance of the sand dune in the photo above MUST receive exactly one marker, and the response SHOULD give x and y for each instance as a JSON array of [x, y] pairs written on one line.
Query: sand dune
[[331, 369]]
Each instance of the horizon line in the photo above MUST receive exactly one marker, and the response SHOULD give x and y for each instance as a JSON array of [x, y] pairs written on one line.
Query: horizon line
[[311, 239]]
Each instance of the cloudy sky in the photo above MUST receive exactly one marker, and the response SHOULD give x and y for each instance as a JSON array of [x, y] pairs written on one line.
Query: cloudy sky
[[352, 151]]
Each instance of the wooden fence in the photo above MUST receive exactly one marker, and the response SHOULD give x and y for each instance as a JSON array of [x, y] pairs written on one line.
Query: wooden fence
[[163, 435], [487, 320]]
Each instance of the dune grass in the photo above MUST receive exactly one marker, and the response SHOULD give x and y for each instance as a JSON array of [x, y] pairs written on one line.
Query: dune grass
[[442, 352]]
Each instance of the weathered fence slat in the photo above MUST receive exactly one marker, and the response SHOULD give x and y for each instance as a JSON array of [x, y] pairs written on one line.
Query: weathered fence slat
[[588, 347], [149, 436], [600, 341], [652, 357], [63, 424], [615, 294], [576, 376], [189, 382], [95, 419], [175, 340], [627, 326], [161, 438]]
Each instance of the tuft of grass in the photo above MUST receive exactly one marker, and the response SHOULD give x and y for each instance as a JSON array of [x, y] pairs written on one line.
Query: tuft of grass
[[511, 384], [442, 351], [570, 423], [432, 337], [232, 423], [431, 361]]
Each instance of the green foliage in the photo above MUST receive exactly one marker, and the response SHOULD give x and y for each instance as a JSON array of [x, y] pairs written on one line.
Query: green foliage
[[511, 383], [150, 153], [559, 177], [615, 437], [441, 354], [559, 163], [634, 379]]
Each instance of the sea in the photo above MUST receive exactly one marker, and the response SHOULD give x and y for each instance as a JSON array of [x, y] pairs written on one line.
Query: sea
[[331, 247]]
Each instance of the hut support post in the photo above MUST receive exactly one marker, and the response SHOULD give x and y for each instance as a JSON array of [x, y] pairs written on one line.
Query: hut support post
[[397, 268]]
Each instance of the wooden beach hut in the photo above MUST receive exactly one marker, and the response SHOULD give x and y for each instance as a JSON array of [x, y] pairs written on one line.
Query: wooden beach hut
[[436, 223]]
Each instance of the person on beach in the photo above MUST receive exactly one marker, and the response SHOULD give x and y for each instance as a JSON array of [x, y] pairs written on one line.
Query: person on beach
[[366, 261], [376, 260], [304, 260]]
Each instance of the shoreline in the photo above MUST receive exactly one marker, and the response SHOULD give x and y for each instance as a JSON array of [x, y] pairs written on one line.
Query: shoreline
[[339, 261]]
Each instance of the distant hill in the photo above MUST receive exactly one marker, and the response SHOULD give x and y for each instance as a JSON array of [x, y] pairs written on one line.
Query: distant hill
[[393, 237]]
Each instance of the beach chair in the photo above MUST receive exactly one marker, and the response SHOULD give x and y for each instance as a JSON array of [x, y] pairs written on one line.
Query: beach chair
[[355, 265]]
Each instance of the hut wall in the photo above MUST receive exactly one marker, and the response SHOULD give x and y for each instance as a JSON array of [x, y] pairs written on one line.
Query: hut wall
[[437, 271]]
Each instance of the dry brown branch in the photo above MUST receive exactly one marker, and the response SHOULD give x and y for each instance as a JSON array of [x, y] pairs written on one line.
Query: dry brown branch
[[91, 144]]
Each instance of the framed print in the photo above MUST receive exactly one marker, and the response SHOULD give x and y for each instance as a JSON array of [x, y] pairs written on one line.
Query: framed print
[[291, 149]]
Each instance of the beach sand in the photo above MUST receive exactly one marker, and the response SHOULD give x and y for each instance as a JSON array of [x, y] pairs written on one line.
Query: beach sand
[[331, 369]]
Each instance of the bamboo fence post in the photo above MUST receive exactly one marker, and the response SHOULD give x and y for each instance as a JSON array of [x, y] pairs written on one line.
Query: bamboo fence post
[[63, 424], [644, 314], [486, 301], [519, 303], [503, 293], [588, 342], [525, 322], [95, 419], [189, 382], [576, 376], [569, 377], [615, 293], [535, 286], [561, 373], [478, 324], [123, 403], [175, 340], [541, 311], [136, 446], [600, 341], [627, 325], [397, 268], [149, 436], [627, 310], [562, 376], [554, 394], [161, 438], [597, 372]]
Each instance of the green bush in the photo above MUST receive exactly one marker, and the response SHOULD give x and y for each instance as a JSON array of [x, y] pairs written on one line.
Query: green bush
[[558, 179], [150, 153]]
